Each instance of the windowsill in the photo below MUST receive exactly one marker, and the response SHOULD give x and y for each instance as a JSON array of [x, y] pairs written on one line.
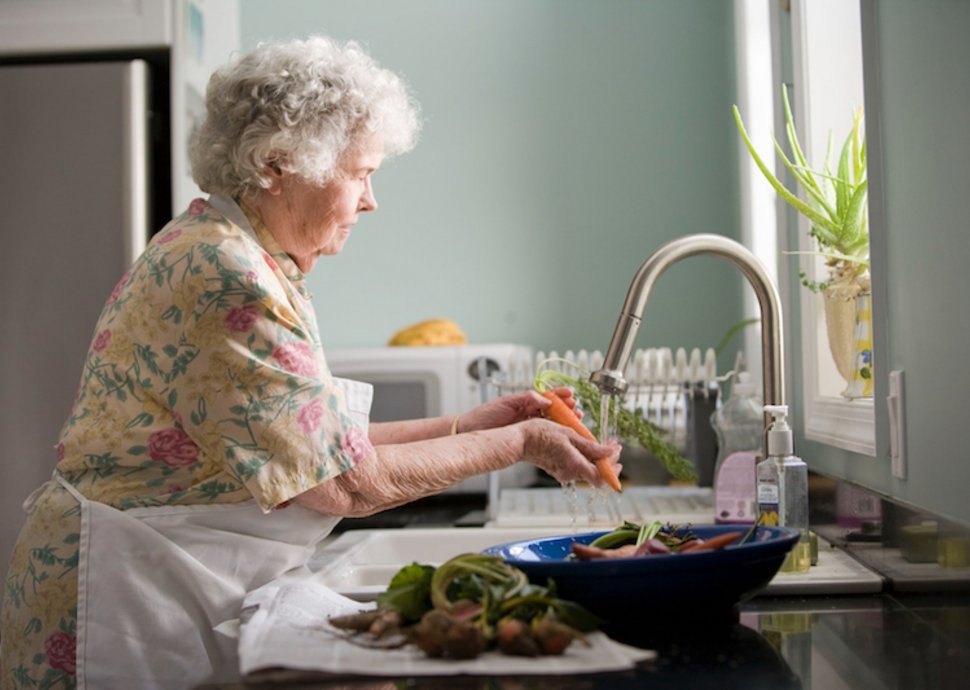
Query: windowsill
[[846, 424]]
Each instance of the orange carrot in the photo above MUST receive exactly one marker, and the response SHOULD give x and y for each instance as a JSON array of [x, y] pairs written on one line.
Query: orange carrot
[[718, 542], [560, 413]]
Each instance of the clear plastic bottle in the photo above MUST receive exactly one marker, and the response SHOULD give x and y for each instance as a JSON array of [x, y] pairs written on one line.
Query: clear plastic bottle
[[783, 489], [739, 425]]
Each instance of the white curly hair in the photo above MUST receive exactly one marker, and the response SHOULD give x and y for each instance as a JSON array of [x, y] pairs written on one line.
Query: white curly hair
[[300, 105]]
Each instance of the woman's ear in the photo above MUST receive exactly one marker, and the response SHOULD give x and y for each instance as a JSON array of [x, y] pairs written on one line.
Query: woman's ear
[[274, 174]]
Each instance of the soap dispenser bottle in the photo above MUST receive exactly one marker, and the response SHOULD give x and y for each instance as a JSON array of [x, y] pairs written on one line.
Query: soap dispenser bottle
[[739, 424], [783, 488]]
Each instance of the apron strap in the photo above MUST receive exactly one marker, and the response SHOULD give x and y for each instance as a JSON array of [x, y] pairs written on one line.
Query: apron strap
[[70, 487]]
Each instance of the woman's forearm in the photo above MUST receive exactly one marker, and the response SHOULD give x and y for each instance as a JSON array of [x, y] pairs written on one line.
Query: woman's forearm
[[399, 473], [409, 430]]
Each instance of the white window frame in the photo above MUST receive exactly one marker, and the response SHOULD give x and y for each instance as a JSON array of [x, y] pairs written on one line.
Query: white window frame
[[828, 85], [756, 97]]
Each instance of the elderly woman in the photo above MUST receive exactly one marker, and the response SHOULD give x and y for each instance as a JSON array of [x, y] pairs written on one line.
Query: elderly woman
[[208, 448]]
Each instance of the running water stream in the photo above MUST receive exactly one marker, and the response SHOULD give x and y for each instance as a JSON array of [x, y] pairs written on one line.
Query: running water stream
[[597, 496], [607, 433]]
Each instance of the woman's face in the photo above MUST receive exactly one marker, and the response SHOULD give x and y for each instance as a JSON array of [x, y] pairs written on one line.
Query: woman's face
[[309, 220]]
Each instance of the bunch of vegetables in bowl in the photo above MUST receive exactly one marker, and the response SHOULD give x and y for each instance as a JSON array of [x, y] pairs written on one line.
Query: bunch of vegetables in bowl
[[655, 574], [630, 540]]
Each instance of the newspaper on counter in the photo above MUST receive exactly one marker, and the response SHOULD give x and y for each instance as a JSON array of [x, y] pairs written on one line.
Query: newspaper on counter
[[286, 626]]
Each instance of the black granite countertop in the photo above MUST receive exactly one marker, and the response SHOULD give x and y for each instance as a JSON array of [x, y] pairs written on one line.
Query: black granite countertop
[[914, 635], [913, 642]]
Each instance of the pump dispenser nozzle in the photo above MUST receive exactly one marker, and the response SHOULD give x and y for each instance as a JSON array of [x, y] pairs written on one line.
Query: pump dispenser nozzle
[[779, 433]]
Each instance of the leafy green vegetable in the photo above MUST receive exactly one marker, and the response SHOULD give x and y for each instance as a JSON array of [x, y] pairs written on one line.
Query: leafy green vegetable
[[649, 531], [536, 602], [485, 585], [626, 534], [632, 533], [754, 528], [409, 591]]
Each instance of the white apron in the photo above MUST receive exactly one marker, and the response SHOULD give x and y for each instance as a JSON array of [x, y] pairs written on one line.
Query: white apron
[[155, 583]]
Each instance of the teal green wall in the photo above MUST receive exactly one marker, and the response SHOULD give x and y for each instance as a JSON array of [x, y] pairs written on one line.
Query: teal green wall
[[564, 141], [917, 60]]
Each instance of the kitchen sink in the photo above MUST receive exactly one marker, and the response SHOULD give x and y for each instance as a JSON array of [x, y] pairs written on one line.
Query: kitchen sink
[[360, 563]]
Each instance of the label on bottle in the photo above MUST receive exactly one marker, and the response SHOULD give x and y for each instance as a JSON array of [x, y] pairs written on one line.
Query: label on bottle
[[734, 491], [768, 503], [768, 493]]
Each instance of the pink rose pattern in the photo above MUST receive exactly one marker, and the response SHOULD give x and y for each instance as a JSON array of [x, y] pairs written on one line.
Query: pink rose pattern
[[116, 291], [157, 461], [310, 416], [102, 341], [297, 358], [61, 650], [241, 319], [168, 237], [356, 444], [197, 207], [173, 447]]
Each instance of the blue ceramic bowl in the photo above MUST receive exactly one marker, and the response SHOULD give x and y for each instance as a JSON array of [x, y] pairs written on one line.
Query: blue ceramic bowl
[[706, 584]]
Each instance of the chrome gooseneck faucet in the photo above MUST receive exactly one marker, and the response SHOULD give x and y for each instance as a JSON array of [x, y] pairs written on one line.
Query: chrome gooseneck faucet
[[609, 379]]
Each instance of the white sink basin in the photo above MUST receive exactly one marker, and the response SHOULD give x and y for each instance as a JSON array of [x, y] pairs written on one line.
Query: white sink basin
[[360, 563]]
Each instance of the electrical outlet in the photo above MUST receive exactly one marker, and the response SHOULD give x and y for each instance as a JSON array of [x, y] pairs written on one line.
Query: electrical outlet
[[897, 424]]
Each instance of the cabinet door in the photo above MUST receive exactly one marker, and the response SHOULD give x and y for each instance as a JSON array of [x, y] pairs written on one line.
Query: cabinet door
[[72, 215], [55, 26]]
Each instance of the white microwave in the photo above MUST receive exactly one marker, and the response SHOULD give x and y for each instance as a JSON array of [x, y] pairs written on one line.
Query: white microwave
[[436, 381]]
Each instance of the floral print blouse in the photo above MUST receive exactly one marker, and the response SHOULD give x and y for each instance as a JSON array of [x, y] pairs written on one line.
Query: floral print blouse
[[205, 383]]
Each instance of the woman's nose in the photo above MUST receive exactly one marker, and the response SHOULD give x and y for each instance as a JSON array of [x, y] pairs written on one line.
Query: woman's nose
[[368, 201]]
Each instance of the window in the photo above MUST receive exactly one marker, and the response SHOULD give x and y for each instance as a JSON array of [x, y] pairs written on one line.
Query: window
[[826, 46], [828, 86]]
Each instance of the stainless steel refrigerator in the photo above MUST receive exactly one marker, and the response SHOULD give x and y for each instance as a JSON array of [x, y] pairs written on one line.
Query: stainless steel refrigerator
[[76, 179]]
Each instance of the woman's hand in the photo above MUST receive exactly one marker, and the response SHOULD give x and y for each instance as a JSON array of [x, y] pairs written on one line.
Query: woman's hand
[[564, 454], [510, 409]]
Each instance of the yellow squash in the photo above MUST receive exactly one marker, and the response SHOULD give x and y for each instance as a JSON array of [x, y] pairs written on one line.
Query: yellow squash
[[430, 332]]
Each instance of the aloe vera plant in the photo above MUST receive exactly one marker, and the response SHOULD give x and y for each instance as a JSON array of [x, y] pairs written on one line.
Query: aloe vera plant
[[835, 201]]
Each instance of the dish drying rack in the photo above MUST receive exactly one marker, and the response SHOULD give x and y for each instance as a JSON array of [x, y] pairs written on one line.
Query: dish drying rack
[[676, 390]]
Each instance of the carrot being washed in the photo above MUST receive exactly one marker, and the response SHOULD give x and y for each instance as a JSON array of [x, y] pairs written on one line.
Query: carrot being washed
[[560, 413]]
